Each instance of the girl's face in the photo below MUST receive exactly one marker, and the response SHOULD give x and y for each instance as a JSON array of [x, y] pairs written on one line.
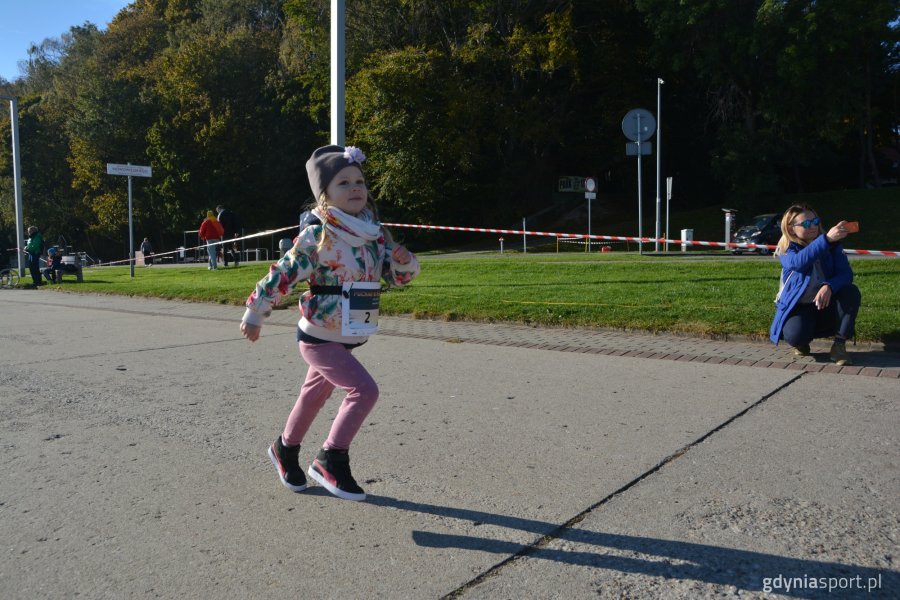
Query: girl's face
[[348, 191], [811, 231]]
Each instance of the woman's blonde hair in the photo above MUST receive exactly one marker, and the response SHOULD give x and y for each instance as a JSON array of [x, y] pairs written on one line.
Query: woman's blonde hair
[[787, 231]]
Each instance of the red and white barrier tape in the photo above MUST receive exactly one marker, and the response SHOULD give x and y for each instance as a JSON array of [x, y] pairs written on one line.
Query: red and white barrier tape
[[573, 236], [742, 246], [219, 243], [574, 240]]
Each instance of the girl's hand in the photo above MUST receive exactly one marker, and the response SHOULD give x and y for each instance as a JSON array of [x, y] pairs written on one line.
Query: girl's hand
[[837, 233], [401, 255], [823, 297], [251, 332]]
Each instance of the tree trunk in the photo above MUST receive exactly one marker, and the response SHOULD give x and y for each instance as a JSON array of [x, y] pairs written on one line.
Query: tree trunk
[[869, 149], [862, 158]]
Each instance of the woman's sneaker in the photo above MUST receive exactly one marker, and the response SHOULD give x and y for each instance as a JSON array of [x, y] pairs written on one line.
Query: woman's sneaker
[[801, 350], [331, 469], [286, 462], [839, 353]]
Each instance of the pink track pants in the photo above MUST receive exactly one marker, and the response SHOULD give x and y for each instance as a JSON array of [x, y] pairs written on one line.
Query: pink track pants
[[331, 365]]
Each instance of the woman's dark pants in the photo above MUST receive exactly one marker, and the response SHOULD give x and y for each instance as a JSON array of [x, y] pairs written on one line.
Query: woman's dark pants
[[806, 322], [34, 266]]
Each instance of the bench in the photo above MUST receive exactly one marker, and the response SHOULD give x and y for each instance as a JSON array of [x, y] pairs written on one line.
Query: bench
[[256, 252], [70, 265]]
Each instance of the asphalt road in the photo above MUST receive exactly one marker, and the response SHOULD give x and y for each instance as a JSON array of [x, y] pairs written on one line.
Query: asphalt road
[[500, 462]]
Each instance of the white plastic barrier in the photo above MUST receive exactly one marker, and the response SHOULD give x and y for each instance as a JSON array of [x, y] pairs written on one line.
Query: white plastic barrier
[[687, 235]]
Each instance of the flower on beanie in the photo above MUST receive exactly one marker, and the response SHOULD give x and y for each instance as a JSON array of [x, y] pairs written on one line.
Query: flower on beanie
[[354, 155]]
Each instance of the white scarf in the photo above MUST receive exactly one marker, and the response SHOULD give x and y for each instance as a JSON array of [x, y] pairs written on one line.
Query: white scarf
[[354, 230]]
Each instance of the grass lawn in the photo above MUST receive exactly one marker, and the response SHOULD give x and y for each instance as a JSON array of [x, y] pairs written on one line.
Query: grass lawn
[[709, 295]]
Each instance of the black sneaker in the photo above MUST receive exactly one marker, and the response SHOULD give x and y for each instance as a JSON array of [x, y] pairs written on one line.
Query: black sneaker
[[285, 460], [331, 468], [801, 350]]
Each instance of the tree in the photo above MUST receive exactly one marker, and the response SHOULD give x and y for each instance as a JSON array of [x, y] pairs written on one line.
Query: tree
[[469, 109], [226, 139], [470, 128], [788, 84]]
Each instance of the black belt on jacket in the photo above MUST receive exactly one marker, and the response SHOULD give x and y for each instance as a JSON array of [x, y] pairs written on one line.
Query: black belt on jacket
[[326, 290]]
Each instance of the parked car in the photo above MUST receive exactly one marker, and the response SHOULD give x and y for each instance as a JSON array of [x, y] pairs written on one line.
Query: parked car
[[765, 229]]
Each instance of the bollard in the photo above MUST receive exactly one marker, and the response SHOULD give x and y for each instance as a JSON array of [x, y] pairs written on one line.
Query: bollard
[[687, 235], [729, 223]]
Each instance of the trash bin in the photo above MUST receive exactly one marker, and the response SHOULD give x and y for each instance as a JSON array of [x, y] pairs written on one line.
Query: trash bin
[[687, 235], [285, 244], [180, 253]]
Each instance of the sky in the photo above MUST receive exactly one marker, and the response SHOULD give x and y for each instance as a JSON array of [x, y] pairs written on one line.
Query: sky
[[23, 22]]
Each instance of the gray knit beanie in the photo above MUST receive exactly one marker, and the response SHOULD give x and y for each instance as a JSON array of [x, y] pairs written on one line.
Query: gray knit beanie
[[327, 161]]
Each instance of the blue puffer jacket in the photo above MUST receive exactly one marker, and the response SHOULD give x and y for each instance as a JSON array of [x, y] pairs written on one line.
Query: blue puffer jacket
[[796, 269]]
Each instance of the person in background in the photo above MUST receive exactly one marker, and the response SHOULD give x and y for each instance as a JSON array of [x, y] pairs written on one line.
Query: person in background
[[54, 263], [816, 296], [34, 247], [232, 229], [211, 232], [147, 251]]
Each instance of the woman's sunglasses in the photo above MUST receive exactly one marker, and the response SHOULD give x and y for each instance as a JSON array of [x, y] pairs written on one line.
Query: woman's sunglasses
[[807, 223]]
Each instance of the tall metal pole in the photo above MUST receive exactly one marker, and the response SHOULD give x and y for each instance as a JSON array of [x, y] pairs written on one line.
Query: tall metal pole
[[587, 242], [17, 182], [659, 83], [337, 72], [524, 238], [668, 201], [640, 201], [130, 229]]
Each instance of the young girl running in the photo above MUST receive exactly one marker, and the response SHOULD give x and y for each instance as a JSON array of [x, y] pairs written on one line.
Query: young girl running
[[343, 254]]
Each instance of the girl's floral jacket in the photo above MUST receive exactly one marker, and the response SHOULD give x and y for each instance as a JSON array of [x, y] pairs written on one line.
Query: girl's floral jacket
[[352, 250]]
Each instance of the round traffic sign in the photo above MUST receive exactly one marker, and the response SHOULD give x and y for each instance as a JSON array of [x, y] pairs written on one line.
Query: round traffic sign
[[638, 125], [590, 184]]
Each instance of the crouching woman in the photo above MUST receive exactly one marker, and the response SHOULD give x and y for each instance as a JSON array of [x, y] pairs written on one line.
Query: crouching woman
[[816, 298]]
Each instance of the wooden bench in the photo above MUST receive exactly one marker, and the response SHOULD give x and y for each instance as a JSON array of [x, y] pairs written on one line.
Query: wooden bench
[[71, 266]]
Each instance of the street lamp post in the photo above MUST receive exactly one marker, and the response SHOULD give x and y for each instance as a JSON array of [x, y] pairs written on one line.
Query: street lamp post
[[337, 72], [17, 181], [659, 83]]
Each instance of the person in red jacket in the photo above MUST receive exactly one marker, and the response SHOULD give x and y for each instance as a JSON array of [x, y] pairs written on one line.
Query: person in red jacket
[[211, 232]]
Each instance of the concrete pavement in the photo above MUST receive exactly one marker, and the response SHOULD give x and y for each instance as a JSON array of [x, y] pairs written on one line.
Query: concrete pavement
[[500, 462]]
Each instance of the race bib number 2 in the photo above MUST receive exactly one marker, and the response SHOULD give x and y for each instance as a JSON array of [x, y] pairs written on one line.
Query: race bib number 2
[[359, 307]]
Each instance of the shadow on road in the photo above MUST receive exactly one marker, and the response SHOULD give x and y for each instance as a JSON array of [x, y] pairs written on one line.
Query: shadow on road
[[743, 569]]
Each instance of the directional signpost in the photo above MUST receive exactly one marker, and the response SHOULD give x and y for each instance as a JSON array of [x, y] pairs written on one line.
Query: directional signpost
[[639, 126], [590, 193], [130, 171]]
